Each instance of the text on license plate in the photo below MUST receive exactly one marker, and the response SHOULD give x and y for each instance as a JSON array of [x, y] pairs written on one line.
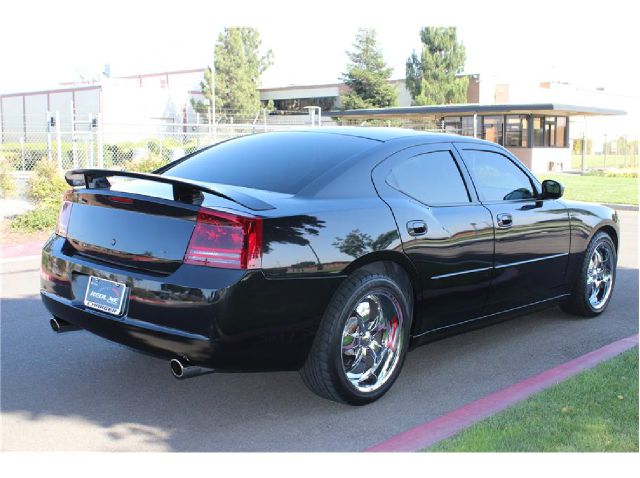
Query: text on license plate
[[105, 295]]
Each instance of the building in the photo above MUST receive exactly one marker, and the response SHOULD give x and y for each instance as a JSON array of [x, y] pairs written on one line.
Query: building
[[536, 133], [530, 118]]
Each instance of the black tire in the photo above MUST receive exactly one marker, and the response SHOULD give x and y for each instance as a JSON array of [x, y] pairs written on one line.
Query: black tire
[[578, 302], [323, 372]]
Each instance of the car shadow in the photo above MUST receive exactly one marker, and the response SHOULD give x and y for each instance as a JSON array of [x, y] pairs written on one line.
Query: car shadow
[[98, 395]]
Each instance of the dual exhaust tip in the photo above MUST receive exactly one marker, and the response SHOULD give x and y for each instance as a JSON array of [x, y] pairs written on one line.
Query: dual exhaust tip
[[59, 326], [182, 370], [179, 368]]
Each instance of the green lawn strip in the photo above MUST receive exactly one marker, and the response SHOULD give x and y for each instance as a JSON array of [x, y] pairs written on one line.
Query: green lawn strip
[[595, 411], [597, 188], [599, 161]]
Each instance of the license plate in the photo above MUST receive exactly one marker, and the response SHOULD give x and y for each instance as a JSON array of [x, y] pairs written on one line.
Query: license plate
[[105, 295]]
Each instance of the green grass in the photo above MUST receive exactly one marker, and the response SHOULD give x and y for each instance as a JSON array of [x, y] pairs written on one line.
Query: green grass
[[597, 161], [611, 190], [594, 411]]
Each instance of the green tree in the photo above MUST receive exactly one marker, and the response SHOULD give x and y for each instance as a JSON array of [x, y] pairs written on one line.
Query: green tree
[[367, 75], [238, 65], [432, 77]]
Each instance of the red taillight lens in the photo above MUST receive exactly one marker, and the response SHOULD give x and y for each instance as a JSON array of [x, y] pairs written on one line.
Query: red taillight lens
[[63, 218], [225, 240]]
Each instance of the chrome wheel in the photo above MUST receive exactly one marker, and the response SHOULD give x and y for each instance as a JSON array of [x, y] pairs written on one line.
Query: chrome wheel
[[372, 341], [600, 276]]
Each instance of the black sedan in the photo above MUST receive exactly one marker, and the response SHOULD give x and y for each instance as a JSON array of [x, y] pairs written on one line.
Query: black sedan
[[329, 251]]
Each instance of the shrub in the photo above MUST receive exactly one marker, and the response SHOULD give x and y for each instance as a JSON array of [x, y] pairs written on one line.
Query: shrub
[[46, 183], [46, 188], [614, 173], [7, 184], [149, 163], [43, 217]]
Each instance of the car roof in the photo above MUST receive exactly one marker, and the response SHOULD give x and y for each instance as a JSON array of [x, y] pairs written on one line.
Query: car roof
[[384, 134]]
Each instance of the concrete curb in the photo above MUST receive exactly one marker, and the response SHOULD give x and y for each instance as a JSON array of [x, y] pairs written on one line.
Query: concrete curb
[[430, 433], [623, 207]]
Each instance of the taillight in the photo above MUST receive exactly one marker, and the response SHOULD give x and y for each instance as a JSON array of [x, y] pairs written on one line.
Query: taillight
[[64, 216], [225, 240]]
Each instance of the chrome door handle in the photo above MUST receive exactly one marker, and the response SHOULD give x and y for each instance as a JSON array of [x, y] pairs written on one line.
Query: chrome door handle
[[505, 221], [417, 228]]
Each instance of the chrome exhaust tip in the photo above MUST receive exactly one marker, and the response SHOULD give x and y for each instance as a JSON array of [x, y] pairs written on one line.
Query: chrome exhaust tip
[[59, 326], [181, 370]]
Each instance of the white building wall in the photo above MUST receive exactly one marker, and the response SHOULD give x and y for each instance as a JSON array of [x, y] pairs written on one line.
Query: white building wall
[[404, 96], [12, 118]]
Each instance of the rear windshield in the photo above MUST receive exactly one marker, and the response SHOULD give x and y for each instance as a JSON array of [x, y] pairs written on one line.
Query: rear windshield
[[280, 162]]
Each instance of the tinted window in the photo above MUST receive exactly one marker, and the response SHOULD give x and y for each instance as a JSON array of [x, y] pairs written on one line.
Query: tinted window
[[281, 162], [431, 178], [496, 177]]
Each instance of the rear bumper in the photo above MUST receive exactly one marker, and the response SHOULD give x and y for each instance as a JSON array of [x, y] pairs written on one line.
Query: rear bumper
[[220, 318]]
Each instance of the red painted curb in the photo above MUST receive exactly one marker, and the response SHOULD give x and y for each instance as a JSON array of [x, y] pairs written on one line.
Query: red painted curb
[[429, 433], [19, 250]]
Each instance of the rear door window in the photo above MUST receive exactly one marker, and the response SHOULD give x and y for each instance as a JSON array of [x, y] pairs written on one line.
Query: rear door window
[[431, 178]]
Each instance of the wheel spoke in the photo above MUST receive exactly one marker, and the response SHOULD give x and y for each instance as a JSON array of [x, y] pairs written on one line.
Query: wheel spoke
[[369, 356]]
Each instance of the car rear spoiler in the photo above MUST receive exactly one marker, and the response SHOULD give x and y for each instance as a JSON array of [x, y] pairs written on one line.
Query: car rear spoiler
[[184, 190]]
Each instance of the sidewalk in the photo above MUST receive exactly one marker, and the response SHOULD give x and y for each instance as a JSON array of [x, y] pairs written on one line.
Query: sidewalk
[[14, 207]]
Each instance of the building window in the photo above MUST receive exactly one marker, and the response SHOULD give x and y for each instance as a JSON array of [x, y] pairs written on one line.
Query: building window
[[550, 131], [538, 134], [452, 124], [561, 132], [467, 125], [492, 127], [516, 131]]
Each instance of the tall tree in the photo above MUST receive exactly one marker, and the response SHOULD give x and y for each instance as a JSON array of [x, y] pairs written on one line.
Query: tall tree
[[367, 75], [432, 77], [238, 65]]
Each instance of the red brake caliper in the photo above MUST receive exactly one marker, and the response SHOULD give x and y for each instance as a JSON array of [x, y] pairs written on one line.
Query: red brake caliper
[[392, 336]]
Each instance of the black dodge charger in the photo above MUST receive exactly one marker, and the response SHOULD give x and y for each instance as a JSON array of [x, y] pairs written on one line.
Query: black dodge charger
[[329, 251]]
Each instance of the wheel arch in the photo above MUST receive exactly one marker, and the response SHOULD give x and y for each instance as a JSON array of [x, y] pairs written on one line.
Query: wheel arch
[[611, 232], [394, 264]]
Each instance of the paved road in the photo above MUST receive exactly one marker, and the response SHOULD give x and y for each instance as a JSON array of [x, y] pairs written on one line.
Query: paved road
[[78, 392]]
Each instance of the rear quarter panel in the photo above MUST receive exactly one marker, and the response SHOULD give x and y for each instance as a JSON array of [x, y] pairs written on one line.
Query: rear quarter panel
[[586, 220]]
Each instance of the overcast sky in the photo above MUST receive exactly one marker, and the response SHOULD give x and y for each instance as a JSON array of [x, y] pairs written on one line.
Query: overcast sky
[[589, 43]]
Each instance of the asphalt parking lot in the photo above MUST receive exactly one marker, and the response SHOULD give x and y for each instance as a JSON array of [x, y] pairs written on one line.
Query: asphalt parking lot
[[78, 392]]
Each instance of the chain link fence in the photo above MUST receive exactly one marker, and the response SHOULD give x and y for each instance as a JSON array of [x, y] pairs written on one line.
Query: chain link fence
[[87, 142]]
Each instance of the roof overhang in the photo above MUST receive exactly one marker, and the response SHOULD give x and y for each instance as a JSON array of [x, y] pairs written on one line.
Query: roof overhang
[[469, 109]]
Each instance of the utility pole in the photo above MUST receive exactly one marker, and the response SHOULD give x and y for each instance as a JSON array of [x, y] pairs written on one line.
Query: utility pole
[[213, 95], [584, 146]]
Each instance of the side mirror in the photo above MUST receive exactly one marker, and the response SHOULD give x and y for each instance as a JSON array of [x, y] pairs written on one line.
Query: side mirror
[[552, 189]]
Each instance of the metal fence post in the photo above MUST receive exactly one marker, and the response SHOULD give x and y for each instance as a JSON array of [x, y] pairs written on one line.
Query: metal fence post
[[58, 141], [74, 149], [100, 142], [49, 152], [89, 158]]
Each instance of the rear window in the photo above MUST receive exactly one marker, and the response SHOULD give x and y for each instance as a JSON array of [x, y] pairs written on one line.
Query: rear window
[[280, 162]]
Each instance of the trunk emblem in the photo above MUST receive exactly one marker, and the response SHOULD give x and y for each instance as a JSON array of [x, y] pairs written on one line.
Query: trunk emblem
[[113, 241]]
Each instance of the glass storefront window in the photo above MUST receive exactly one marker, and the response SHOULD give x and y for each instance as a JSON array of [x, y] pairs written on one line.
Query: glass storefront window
[[452, 124], [538, 134], [493, 128], [516, 131], [467, 125], [561, 132]]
